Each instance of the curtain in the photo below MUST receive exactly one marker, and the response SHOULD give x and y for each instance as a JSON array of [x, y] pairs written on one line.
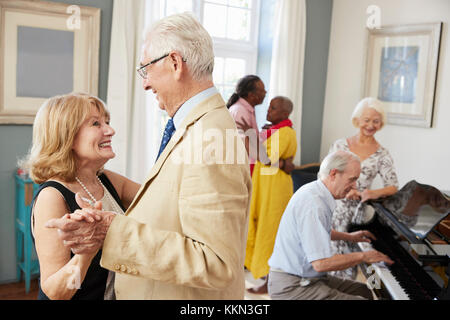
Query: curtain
[[132, 110], [288, 55]]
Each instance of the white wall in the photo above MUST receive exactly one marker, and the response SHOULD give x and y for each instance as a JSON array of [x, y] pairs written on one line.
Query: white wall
[[422, 154]]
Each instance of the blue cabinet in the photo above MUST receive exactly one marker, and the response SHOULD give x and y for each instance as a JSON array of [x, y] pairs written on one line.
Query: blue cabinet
[[25, 189]]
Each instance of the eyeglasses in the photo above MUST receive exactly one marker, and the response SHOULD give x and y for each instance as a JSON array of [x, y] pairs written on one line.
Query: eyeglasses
[[142, 70]]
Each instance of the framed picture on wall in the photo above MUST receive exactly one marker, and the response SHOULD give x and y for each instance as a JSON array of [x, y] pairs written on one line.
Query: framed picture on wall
[[401, 71], [46, 49]]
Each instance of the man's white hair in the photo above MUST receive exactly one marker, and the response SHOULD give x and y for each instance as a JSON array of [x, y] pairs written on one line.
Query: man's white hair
[[336, 160], [184, 34], [368, 102]]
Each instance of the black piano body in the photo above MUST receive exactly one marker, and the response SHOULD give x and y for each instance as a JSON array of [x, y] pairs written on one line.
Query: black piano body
[[407, 228]]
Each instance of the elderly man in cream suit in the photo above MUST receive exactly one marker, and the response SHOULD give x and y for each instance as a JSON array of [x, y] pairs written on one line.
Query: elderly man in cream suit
[[184, 235]]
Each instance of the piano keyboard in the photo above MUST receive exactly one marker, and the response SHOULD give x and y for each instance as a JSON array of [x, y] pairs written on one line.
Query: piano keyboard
[[384, 274], [405, 279]]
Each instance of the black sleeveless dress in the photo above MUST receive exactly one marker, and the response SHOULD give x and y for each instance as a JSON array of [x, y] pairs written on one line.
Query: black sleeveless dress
[[94, 283]]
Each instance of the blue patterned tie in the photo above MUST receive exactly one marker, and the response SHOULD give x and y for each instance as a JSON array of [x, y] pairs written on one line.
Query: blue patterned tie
[[168, 133]]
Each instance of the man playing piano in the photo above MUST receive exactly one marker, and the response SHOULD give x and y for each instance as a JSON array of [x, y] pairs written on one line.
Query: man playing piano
[[302, 254]]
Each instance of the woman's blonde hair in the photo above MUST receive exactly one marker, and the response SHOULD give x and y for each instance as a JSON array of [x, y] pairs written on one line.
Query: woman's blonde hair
[[56, 124], [368, 102]]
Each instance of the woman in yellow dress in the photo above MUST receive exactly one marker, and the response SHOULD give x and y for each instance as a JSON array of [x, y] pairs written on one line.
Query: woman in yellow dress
[[272, 189]]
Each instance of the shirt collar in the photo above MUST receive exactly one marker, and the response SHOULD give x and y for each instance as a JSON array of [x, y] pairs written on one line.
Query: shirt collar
[[246, 105], [328, 197], [186, 107]]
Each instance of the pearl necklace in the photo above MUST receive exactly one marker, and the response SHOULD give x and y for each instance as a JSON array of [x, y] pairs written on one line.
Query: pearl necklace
[[116, 208], [87, 191]]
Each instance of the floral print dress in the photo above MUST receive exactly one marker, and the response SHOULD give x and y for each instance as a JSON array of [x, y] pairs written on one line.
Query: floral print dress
[[380, 162]]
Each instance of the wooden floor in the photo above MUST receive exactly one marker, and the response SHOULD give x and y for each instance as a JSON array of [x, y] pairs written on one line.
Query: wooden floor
[[16, 291]]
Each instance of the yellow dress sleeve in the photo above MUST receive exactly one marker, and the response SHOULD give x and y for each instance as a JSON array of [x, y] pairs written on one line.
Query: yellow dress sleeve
[[282, 144]]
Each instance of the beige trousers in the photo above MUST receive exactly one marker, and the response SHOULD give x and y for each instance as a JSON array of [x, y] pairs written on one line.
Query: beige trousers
[[285, 286]]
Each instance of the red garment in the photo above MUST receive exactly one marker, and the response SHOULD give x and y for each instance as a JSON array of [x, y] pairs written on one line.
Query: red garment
[[265, 134]]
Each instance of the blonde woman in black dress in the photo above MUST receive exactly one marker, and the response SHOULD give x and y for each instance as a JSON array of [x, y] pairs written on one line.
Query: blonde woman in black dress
[[71, 143]]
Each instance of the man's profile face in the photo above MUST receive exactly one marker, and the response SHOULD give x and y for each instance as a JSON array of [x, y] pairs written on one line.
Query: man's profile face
[[344, 181], [259, 92], [157, 78]]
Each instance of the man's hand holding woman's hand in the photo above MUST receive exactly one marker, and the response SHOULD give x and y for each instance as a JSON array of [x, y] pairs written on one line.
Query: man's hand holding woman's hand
[[87, 212], [84, 230]]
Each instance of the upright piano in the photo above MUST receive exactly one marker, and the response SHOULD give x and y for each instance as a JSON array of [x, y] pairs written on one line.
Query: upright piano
[[412, 227]]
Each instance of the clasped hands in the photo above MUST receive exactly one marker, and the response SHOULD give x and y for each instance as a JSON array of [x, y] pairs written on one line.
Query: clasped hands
[[84, 230]]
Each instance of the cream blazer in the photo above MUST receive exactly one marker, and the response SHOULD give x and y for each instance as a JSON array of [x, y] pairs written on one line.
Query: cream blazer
[[184, 235]]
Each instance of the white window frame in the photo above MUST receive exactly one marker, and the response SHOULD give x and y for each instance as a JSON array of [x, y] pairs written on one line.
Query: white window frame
[[247, 50]]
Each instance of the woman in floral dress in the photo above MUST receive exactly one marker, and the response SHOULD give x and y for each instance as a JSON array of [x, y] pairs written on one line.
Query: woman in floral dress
[[368, 117]]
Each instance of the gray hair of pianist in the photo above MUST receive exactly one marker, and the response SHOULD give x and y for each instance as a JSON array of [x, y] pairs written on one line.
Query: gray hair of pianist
[[336, 160]]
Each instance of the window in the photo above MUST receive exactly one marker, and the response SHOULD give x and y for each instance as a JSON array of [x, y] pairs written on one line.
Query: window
[[233, 26], [227, 71], [229, 19], [169, 7]]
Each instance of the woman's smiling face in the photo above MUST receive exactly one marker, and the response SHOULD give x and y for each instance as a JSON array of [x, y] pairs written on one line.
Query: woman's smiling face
[[370, 122], [93, 141]]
